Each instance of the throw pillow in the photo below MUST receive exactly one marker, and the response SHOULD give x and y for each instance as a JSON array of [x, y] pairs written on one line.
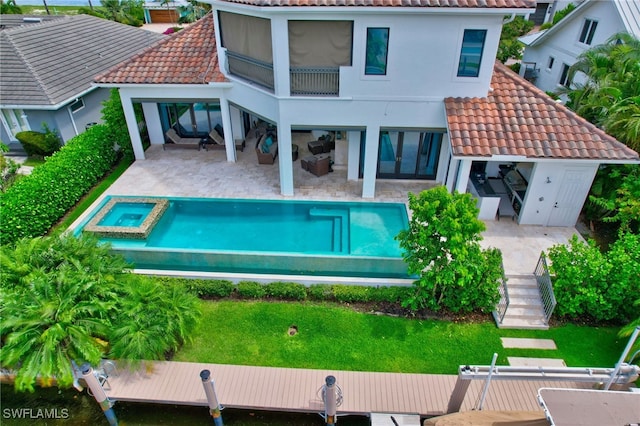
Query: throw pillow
[[268, 141], [264, 148]]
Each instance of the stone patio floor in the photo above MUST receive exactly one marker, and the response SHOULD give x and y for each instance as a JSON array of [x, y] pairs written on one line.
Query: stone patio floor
[[191, 173]]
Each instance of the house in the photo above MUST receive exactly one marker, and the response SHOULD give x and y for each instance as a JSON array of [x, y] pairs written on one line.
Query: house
[[549, 54], [48, 66], [410, 90], [163, 12]]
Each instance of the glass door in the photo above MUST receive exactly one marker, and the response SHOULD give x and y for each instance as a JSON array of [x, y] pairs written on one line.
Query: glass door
[[408, 155]]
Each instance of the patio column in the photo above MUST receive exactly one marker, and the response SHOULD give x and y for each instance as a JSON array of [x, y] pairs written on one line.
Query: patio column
[[370, 161], [353, 157], [463, 176], [280, 46], [285, 159], [228, 133], [237, 129], [132, 125], [450, 180], [154, 126]]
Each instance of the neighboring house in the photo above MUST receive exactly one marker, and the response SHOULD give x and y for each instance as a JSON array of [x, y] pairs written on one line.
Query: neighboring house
[[163, 12], [48, 66], [545, 9], [411, 91], [549, 54]]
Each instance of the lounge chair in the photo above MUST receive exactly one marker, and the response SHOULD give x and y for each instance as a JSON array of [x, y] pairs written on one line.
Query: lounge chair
[[216, 141], [174, 140]]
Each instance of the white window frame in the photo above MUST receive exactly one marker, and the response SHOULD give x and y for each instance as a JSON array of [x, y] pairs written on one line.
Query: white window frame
[[566, 82], [550, 63], [73, 105], [14, 121], [587, 31]]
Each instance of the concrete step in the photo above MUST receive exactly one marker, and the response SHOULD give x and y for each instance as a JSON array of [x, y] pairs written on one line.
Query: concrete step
[[524, 323], [526, 311]]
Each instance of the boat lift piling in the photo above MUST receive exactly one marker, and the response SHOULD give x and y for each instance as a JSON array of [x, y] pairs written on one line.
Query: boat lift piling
[[330, 398], [212, 398], [99, 395]]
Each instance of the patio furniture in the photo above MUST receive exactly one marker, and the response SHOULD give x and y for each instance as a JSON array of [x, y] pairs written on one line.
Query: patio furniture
[[216, 142], [174, 140], [318, 165], [324, 144], [266, 152]]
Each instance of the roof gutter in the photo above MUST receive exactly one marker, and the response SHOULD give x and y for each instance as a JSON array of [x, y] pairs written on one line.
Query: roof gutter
[[509, 19], [54, 107]]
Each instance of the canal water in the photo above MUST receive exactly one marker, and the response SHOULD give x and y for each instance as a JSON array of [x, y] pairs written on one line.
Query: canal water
[[52, 407]]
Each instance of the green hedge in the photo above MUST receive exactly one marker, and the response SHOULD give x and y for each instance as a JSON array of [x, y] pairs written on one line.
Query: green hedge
[[208, 289], [286, 291], [251, 290], [35, 203]]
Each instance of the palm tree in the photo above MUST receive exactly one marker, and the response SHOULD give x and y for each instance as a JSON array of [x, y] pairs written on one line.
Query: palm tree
[[66, 299], [55, 302]]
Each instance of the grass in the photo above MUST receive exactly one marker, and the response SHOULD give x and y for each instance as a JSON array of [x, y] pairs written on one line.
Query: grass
[[55, 10], [334, 337], [92, 196], [33, 161]]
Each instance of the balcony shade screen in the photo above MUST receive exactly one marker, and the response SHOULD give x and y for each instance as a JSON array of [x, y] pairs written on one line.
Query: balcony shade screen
[[320, 43], [246, 35]]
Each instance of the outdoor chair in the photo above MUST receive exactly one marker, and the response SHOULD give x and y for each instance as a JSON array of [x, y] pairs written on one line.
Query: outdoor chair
[[174, 140]]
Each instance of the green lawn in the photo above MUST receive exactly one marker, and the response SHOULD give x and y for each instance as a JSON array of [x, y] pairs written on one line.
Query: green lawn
[[333, 337]]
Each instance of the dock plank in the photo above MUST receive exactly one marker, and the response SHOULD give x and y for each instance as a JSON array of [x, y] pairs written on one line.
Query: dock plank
[[296, 390]]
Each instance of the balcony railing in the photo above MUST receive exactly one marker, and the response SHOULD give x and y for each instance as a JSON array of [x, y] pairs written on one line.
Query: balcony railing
[[251, 69], [315, 81]]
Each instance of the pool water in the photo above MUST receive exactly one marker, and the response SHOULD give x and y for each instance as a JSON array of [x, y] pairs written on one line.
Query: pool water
[[269, 236], [127, 214]]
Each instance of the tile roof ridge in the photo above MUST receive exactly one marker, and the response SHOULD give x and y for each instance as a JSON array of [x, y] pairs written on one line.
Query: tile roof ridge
[[541, 95]]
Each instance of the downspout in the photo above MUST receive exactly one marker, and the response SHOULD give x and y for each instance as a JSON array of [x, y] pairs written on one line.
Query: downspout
[[508, 19]]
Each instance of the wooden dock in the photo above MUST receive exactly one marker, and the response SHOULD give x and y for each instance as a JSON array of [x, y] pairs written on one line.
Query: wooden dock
[[298, 390]]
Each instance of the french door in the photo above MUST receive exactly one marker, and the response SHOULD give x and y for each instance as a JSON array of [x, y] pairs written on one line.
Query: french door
[[409, 155]]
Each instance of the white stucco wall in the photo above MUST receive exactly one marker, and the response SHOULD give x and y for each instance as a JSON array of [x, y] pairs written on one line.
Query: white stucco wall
[[564, 44]]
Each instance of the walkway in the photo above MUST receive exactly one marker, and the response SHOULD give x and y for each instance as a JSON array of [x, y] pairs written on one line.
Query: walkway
[[296, 390]]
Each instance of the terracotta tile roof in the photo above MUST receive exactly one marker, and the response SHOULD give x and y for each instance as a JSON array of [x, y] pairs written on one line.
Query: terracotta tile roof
[[186, 57], [517, 118], [492, 4]]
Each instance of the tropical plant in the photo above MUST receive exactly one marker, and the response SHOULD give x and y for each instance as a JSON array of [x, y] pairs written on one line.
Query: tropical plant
[[129, 12], [619, 197], [610, 94], [193, 11], [510, 47], [116, 123], [558, 16], [9, 8], [590, 284], [8, 169], [442, 248], [66, 300]]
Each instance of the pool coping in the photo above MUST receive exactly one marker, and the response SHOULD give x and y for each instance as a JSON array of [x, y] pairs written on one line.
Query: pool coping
[[130, 232]]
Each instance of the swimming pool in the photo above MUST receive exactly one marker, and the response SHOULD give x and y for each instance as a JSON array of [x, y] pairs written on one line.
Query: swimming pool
[[263, 236]]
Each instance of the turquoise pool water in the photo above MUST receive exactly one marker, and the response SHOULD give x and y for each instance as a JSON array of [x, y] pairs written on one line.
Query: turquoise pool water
[[127, 214], [269, 236]]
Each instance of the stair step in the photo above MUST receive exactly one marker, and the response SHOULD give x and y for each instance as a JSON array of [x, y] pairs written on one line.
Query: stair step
[[526, 310], [524, 323]]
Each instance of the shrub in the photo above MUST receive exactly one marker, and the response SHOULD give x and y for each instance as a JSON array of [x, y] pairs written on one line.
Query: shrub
[[39, 143], [320, 292], [391, 294], [286, 291], [352, 293], [251, 290], [594, 285], [208, 289], [36, 202], [442, 247]]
